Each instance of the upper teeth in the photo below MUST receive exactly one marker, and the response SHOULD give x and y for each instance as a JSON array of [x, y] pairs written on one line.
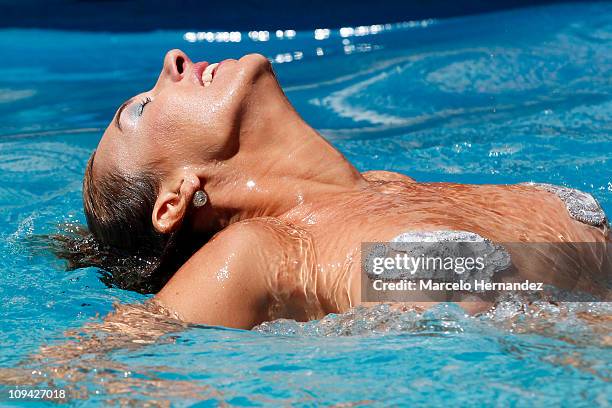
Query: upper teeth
[[207, 74]]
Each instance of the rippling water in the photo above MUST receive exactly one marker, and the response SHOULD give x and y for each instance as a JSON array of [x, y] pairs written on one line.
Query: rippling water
[[498, 98]]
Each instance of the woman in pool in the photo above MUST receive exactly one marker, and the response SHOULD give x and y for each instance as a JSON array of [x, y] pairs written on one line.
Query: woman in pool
[[219, 150]]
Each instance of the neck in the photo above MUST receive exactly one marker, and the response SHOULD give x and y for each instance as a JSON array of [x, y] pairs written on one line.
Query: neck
[[282, 163]]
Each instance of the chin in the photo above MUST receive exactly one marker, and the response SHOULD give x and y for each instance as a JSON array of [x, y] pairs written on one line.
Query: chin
[[257, 62]]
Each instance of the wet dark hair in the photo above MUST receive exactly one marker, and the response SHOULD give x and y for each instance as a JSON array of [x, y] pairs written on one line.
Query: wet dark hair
[[120, 239]]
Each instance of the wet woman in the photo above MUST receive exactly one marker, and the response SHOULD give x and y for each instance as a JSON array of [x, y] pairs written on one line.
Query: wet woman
[[217, 150]]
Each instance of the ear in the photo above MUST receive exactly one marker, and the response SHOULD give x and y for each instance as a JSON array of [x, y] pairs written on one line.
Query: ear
[[173, 202]]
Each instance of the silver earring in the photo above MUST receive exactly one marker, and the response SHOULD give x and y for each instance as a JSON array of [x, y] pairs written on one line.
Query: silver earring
[[199, 199]]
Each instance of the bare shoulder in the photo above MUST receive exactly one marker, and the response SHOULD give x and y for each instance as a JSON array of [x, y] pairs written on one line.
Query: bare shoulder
[[245, 236], [383, 175], [224, 283]]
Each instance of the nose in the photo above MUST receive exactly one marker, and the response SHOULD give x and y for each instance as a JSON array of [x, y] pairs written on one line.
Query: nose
[[175, 65]]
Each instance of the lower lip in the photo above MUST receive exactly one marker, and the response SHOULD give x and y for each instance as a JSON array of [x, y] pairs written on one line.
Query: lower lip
[[214, 71], [225, 61]]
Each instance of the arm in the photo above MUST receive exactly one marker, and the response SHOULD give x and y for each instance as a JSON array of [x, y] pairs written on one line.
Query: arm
[[224, 282]]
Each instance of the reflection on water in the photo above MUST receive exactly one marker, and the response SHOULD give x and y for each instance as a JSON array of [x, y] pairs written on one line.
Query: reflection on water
[[83, 363]]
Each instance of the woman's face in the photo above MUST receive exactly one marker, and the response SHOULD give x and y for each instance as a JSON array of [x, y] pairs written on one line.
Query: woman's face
[[182, 119]]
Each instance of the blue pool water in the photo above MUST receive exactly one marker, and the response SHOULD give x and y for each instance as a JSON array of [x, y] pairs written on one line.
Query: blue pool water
[[498, 98]]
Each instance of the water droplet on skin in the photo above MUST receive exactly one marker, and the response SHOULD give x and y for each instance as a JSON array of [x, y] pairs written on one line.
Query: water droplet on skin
[[310, 220], [223, 273]]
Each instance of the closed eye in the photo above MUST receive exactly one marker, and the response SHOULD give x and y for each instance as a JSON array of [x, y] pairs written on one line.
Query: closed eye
[[143, 103]]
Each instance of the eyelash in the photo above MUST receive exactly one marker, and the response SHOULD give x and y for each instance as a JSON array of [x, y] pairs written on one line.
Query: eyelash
[[142, 105]]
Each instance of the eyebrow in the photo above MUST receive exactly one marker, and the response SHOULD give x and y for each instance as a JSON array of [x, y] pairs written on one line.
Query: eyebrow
[[118, 115]]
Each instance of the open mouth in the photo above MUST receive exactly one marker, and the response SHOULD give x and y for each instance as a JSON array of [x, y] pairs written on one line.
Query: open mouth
[[205, 72], [208, 74]]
